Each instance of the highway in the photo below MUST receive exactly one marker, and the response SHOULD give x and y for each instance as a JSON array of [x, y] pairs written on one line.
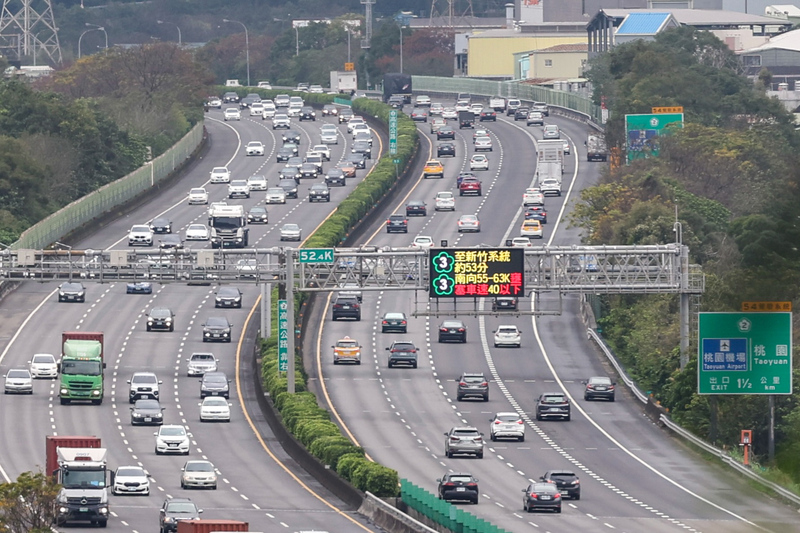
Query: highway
[[634, 476], [258, 483]]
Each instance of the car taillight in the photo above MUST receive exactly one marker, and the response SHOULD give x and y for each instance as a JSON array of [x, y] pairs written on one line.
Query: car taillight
[[461, 330], [556, 496], [477, 439], [449, 484], [520, 422], [454, 439], [534, 496], [462, 384], [385, 322], [590, 386], [484, 384], [472, 484], [497, 422], [402, 321]]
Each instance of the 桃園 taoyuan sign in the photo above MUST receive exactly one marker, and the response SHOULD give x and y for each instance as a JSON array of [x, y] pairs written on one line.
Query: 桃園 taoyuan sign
[[471, 272]]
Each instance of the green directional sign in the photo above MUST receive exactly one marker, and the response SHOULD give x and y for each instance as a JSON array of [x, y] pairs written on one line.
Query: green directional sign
[[283, 335], [393, 131], [475, 272], [316, 255], [642, 132], [744, 353]]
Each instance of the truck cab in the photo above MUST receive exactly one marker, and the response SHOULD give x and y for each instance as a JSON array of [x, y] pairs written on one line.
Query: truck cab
[[83, 476], [228, 229], [81, 368]]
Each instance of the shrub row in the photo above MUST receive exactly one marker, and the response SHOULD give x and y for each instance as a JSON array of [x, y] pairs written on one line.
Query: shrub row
[[301, 414]]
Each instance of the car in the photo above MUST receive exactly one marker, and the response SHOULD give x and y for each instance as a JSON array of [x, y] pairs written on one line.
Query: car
[[215, 384], [257, 215], [265, 85], [346, 350], [139, 287], [345, 114], [448, 149], [302, 87], [200, 363], [551, 131], [488, 114], [18, 381], [507, 426], [479, 162], [463, 440], [291, 136], [307, 113], [249, 100], [175, 510], [198, 195], [462, 175], [535, 118], [284, 153], [346, 307], [170, 242], [353, 289], [445, 132], [458, 487], [291, 232], [483, 144], [402, 353], [199, 474], [268, 110], [319, 192], [197, 232], [214, 102], [532, 196], [452, 330], [217, 329], [291, 173], [254, 148], [43, 365], [71, 291], [330, 110], [215, 409], [358, 160], [507, 335], [231, 113], [519, 242], [419, 115], [472, 385], [422, 241], [449, 113], [160, 318], [247, 268], [541, 107], [281, 120], [329, 134], [130, 480], [309, 170], [220, 175], [462, 105], [396, 224], [476, 107], [422, 101], [230, 97], [505, 303], [140, 235], [599, 387], [335, 176], [323, 150], [416, 208], [362, 147], [289, 186], [436, 108], [147, 413], [227, 296], [396, 101], [566, 481], [275, 195], [161, 225], [143, 386], [541, 496], [444, 201], [436, 123], [356, 121], [566, 147], [282, 100], [347, 168], [468, 223], [470, 186], [394, 322], [536, 212], [553, 405], [531, 228]]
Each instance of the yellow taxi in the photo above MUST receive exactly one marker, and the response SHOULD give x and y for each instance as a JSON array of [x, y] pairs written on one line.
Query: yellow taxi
[[433, 168], [347, 350], [531, 228]]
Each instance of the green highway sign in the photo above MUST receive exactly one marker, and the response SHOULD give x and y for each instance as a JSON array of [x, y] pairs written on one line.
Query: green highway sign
[[316, 255], [393, 131], [283, 335], [642, 132], [744, 353], [396, 161]]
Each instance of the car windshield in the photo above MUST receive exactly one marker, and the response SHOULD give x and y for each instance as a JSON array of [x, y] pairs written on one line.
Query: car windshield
[[461, 479], [172, 431], [200, 466], [202, 358], [214, 378], [130, 472], [563, 476], [81, 368], [43, 359], [423, 240], [197, 227], [508, 418], [393, 316], [600, 381], [507, 329], [452, 324], [239, 183], [160, 313], [469, 218], [291, 227], [220, 170], [217, 322], [198, 191], [181, 507], [348, 344], [468, 432], [553, 399], [18, 374], [147, 404], [140, 229], [445, 195], [144, 378], [215, 402], [473, 379], [544, 487]]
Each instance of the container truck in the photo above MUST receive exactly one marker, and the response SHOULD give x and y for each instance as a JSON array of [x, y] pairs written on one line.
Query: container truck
[[344, 82], [211, 526], [397, 83], [466, 119], [550, 151], [228, 226], [81, 367], [55, 441]]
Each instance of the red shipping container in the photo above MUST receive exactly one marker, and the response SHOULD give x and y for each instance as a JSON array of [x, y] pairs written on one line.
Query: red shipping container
[[207, 526], [54, 442]]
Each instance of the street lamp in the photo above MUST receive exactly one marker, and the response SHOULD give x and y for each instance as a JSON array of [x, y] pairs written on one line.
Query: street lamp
[[401, 48], [296, 41], [246, 46], [81, 37], [179, 30], [99, 28]]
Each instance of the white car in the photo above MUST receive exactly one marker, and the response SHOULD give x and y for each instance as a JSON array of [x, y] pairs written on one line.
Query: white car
[[437, 108], [462, 105], [476, 108], [532, 197], [257, 183], [275, 195], [566, 147], [198, 195], [507, 425], [200, 474], [316, 89], [247, 268], [422, 100], [353, 121], [479, 133], [254, 148], [256, 109], [483, 144], [521, 242], [130, 480], [281, 121], [231, 113], [238, 188], [268, 110], [43, 365], [265, 85], [422, 241], [197, 232], [220, 175], [449, 113], [294, 109], [140, 234], [445, 201], [18, 381], [172, 438], [200, 363], [323, 150], [360, 128], [479, 162], [291, 232], [329, 134], [550, 187], [507, 335], [215, 408]]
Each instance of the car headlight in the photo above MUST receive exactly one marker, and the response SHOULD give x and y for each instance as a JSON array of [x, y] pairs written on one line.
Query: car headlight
[[237, 300], [63, 510], [207, 334], [169, 519], [225, 334], [149, 320], [61, 293], [137, 415], [64, 391], [169, 320], [95, 393], [103, 510]]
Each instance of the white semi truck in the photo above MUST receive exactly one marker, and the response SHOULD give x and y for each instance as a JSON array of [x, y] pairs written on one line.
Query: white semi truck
[[227, 224], [83, 475]]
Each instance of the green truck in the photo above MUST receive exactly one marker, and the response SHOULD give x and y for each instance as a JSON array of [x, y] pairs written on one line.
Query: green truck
[[81, 367]]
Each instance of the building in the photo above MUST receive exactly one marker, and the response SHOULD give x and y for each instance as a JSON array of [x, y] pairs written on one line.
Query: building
[[637, 26], [562, 62], [780, 56], [787, 12]]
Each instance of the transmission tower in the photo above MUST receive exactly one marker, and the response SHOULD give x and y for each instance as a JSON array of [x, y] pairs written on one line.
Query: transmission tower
[[27, 27], [453, 13]]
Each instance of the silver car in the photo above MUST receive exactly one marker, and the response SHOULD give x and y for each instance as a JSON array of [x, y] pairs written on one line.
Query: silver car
[[463, 440], [200, 363], [18, 381], [199, 474], [291, 232], [507, 426], [469, 223], [551, 131]]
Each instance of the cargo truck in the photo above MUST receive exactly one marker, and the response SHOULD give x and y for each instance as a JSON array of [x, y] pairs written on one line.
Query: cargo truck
[[211, 526], [596, 149], [551, 150], [228, 226], [344, 82], [466, 119], [81, 367], [80, 466], [397, 83]]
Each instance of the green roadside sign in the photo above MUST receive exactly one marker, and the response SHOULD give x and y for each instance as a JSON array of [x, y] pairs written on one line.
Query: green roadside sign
[[283, 336], [744, 353], [393, 132], [642, 132], [315, 255]]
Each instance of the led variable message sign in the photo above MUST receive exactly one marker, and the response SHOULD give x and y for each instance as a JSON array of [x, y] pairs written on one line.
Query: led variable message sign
[[471, 272]]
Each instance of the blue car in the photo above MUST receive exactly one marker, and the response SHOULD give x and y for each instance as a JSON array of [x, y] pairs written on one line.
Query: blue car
[[139, 287]]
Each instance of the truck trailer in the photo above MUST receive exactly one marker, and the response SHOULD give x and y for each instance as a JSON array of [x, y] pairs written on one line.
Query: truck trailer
[[397, 83], [344, 81]]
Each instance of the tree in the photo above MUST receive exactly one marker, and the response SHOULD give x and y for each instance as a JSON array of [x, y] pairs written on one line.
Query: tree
[[29, 504]]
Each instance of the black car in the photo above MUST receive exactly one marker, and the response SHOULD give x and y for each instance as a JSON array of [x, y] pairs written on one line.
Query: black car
[[71, 292], [228, 297], [290, 173], [161, 318], [347, 307], [284, 154], [335, 176], [541, 496], [488, 114], [402, 353], [599, 387], [396, 101], [458, 487], [394, 321], [345, 114], [217, 329], [397, 224], [161, 225], [147, 413], [359, 160], [565, 481], [452, 330], [307, 113], [416, 208], [230, 97], [257, 215], [445, 132], [170, 242], [175, 510], [291, 136], [309, 171], [521, 113], [472, 385], [319, 192], [505, 303], [215, 384], [362, 147], [289, 187], [553, 405], [536, 212], [446, 149]]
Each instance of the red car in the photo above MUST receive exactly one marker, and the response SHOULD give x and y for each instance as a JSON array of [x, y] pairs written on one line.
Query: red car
[[470, 186]]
